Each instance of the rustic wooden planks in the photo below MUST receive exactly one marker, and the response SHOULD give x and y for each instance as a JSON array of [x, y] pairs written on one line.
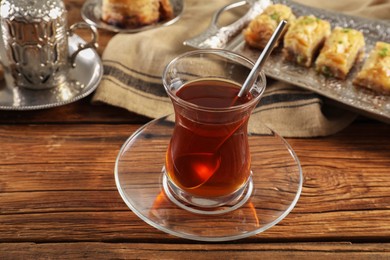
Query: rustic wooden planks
[[57, 184], [321, 251]]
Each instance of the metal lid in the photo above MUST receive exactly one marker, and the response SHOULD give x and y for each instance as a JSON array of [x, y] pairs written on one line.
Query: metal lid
[[32, 10]]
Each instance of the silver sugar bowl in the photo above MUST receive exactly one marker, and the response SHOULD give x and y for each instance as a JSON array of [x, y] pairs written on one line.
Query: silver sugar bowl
[[34, 43]]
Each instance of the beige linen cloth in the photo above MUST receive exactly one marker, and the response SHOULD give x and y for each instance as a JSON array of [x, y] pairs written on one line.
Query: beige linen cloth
[[133, 65]]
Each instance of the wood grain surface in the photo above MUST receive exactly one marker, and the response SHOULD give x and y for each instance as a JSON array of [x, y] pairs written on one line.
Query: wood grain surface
[[58, 198]]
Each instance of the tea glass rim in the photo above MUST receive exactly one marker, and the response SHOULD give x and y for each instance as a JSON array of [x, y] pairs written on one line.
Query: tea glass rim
[[227, 54]]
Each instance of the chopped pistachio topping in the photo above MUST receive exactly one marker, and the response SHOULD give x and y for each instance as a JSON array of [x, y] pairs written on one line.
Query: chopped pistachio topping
[[275, 16], [327, 71], [383, 52], [308, 20]]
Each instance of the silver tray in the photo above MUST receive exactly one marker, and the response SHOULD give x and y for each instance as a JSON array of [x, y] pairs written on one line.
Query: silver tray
[[358, 99], [92, 13], [82, 81]]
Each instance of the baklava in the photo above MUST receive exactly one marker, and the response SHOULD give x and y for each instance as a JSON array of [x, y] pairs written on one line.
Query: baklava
[[375, 73], [261, 28], [341, 49], [304, 38], [135, 13]]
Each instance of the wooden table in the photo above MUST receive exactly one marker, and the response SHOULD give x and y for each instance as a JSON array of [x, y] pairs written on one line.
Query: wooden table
[[58, 197]]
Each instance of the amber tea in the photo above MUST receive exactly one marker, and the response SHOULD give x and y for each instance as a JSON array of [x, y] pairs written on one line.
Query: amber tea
[[209, 159]]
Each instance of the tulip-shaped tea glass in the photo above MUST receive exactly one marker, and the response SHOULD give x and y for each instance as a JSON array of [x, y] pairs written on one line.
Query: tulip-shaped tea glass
[[208, 162]]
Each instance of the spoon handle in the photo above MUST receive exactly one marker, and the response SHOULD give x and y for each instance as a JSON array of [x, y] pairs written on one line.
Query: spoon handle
[[250, 80]]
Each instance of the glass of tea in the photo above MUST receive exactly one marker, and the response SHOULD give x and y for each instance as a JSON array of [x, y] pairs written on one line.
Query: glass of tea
[[208, 162]]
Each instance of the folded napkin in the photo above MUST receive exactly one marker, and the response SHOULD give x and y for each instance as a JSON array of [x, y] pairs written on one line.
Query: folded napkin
[[133, 65]]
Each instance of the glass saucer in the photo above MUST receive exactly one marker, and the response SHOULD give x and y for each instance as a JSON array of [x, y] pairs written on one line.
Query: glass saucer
[[277, 184]]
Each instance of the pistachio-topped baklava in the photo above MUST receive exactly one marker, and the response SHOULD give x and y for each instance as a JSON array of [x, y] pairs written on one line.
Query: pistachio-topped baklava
[[375, 73], [304, 38], [134, 13], [342, 48], [260, 29]]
